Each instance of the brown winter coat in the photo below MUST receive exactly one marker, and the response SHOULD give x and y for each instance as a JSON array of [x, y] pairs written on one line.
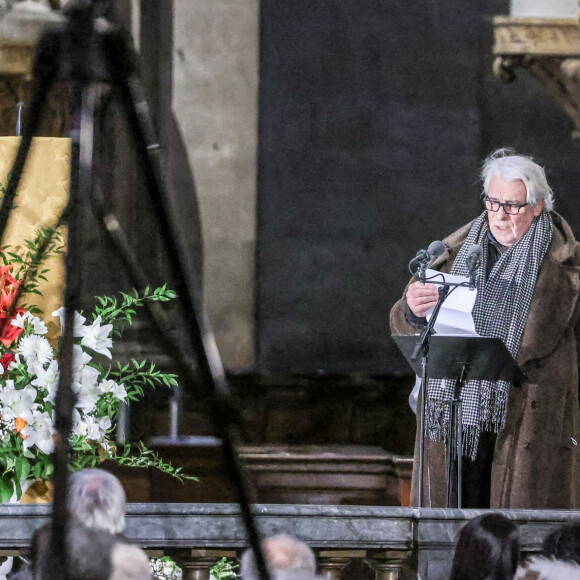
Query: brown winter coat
[[537, 458]]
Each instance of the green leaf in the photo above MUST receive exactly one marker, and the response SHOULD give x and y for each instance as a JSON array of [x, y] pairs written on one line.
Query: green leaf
[[37, 470], [6, 490], [21, 469]]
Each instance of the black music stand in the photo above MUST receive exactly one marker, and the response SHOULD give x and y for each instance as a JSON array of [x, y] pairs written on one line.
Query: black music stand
[[462, 359]]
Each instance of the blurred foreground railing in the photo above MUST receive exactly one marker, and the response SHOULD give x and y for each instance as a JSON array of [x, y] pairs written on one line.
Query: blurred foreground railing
[[392, 542]]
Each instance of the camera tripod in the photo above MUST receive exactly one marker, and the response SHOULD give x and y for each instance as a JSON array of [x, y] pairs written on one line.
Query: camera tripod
[[87, 50]]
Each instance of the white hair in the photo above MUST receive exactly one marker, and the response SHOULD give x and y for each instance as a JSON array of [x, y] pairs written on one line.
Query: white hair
[[288, 559], [506, 163], [96, 499]]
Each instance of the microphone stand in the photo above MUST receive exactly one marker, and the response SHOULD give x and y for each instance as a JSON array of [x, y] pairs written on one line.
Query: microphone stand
[[423, 346]]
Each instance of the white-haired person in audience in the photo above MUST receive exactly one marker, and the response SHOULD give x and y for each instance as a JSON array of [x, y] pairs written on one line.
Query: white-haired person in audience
[[520, 442], [287, 557], [559, 558], [96, 545]]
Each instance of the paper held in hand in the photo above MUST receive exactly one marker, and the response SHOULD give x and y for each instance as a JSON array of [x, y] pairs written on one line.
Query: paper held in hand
[[455, 316]]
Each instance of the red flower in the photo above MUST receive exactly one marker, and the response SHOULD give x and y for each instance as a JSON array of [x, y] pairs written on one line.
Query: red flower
[[8, 291], [7, 359], [8, 296], [9, 333]]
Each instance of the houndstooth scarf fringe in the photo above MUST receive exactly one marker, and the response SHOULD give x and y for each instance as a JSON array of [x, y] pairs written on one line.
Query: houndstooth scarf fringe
[[501, 310]]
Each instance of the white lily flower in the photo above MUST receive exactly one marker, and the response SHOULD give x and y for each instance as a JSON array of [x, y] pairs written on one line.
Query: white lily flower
[[76, 418], [87, 389], [88, 428], [80, 359], [38, 325], [87, 401], [110, 386], [36, 350], [87, 379], [96, 337], [20, 319], [104, 425], [80, 429], [48, 379], [14, 364], [39, 432], [17, 402], [79, 320]]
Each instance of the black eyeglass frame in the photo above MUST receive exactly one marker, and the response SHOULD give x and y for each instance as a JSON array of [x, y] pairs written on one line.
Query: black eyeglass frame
[[500, 205]]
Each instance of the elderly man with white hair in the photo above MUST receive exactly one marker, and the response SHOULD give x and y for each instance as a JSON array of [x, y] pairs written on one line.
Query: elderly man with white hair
[[520, 442], [97, 547]]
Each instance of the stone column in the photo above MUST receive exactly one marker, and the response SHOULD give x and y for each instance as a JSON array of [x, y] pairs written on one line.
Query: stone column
[[215, 99], [389, 565], [331, 563]]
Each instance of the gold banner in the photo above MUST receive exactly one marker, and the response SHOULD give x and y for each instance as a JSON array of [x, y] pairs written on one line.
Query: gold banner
[[42, 196]]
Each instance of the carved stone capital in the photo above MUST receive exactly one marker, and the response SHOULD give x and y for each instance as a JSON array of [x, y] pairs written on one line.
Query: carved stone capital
[[536, 36], [549, 49]]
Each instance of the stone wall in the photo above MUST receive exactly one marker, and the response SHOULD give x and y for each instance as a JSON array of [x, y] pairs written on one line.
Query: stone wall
[[374, 118]]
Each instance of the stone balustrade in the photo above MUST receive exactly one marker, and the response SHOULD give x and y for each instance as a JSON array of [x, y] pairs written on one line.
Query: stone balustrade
[[394, 542]]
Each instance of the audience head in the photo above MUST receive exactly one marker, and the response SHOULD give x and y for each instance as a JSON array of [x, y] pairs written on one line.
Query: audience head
[[287, 557], [563, 543], [96, 499], [488, 549]]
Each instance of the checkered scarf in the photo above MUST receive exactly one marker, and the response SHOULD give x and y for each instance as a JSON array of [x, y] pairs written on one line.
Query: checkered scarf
[[501, 310]]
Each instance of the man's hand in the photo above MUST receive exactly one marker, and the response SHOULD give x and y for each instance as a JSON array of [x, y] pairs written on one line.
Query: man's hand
[[421, 298]]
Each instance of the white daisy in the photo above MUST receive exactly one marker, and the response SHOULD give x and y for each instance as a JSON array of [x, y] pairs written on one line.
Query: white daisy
[[36, 350]]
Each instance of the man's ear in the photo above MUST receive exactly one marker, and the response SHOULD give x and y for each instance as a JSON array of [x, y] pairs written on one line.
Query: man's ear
[[539, 207]]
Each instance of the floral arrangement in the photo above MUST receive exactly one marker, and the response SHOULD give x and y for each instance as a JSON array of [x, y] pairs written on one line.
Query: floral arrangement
[[29, 375], [165, 568], [224, 570]]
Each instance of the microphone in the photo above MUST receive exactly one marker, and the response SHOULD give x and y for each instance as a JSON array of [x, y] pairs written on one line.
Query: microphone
[[422, 258], [473, 263]]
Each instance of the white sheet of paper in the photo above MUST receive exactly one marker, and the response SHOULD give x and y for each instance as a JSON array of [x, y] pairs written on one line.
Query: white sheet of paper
[[455, 316]]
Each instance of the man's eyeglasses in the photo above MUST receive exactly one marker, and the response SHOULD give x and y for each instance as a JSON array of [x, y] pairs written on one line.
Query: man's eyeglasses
[[509, 208]]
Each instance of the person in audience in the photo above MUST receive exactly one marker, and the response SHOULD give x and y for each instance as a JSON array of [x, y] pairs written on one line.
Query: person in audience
[[488, 548], [288, 559], [96, 545], [559, 558]]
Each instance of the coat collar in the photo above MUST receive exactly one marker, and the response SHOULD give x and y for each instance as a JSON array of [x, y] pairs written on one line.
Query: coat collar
[[555, 296], [556, 292]]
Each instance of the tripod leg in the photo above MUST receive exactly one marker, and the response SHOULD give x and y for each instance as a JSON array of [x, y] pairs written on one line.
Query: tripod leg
[[128, 90], [44, 70]]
